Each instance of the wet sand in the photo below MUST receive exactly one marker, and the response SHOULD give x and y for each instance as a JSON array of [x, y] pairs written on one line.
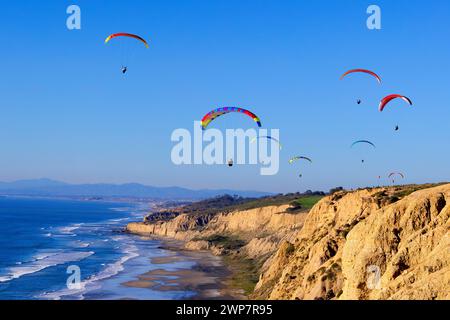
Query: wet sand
[[208, 278]]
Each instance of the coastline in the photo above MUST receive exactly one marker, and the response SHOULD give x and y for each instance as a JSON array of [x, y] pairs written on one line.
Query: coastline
[[260, 253], [243, 240], [207, 277], [323, 253], [113, 265]]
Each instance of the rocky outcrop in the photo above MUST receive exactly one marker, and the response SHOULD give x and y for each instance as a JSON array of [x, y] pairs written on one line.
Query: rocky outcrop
[[354, 246], [181, 228]]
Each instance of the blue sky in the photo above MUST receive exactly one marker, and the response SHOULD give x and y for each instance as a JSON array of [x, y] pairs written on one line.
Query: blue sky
[[67, 112]]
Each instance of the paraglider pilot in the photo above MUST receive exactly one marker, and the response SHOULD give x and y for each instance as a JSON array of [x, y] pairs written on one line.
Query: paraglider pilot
[[124, 70]]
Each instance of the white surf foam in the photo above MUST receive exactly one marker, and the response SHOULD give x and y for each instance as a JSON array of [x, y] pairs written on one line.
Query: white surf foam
[[69, 230], [80, 244], [44, 261], [92, 283]]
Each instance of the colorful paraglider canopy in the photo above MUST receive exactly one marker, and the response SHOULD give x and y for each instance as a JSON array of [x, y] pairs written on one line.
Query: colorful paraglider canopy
[[123, 34], [363, 71], [268, 138], [391, 97], [210, 116], [392, 174], [294, 159], [364, 142]]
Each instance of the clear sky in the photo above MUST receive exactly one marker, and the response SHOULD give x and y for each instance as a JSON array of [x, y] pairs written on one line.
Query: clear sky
[[67, 112]]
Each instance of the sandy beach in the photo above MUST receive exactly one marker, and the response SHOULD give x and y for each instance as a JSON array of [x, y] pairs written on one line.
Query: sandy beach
[[207, 279]]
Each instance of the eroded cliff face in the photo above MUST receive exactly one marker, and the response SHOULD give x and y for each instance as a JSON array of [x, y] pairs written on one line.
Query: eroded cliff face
[[357, 246], [260, 230], [368, 244]]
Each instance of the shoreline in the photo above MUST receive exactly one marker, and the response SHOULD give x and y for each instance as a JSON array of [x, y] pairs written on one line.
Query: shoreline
[[245, 238], [208, 278]]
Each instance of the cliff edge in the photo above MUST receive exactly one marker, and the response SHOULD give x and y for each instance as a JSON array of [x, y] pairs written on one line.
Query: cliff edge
[[368, 244], [382, 243]]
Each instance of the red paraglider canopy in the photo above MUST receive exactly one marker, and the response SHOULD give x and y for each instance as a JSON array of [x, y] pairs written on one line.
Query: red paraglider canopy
[[391, 97], [124, 34], [364, 71]]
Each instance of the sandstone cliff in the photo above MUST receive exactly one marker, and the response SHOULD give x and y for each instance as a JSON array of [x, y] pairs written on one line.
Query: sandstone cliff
[[358, 246], [385, 243], [260, 231]]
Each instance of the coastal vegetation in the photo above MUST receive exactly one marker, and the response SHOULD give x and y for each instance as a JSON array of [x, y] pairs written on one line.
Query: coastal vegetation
[[298, 202], [245, 272]]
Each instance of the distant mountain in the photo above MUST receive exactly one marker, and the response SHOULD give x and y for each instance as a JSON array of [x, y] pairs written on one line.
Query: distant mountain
[[51, 188], [27, 184]]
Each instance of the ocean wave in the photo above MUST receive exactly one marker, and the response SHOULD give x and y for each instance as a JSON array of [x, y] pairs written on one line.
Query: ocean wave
[[69, 230], [119, 219], [81, 244], [139, 214], [123, 209], [44, 255], [44, 261], [135, 211], [118, 238], [112, 269], [35, 258], [61, 232]]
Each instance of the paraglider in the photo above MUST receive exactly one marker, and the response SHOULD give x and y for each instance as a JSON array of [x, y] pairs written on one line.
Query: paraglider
[[391, 97], [373, 74], [268, 138], [210, 116], [362, 71], [385, 101], [124, 68], [363, 142], [394, 174], [294, 159], [123, 34]]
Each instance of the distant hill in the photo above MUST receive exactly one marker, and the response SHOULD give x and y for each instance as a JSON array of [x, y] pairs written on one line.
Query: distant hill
[[51, 188]]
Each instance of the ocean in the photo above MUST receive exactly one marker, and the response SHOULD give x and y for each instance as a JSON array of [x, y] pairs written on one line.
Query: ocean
[[43, 240]]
